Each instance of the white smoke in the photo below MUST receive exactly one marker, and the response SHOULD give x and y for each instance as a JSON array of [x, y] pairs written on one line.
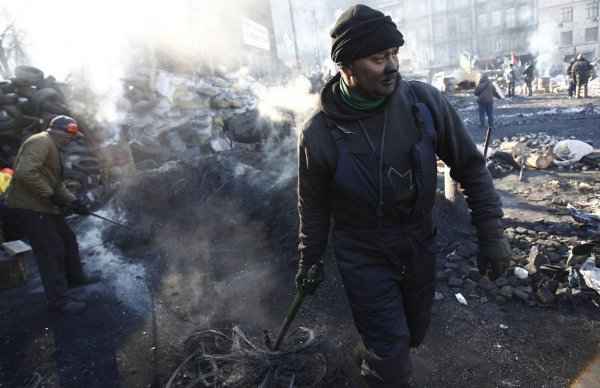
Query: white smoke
[[294, 96], [544, 45], [101, 41]]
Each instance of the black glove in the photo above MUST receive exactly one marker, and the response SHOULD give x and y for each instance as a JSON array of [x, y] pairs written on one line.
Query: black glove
[[58, 201], [309, 278], [79, 207], [494, 255]]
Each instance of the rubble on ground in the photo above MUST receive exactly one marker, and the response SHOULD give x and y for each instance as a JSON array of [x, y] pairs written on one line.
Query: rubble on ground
[[540, 151], [540, 272], [174, 116]]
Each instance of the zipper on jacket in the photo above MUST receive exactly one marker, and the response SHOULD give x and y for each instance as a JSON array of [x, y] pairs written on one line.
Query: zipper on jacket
[[380, 203]]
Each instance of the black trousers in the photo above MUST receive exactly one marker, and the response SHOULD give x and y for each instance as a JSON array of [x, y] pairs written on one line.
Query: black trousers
[[10, 224], [56, 250], [389, 281], [529, 87], [582, 83], [511, 89], [572, 87]]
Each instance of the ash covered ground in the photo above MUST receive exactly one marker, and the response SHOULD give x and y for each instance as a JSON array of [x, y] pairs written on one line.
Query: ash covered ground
[[216, 248]]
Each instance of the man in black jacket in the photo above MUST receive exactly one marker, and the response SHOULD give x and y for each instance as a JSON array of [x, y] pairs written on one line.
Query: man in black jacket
[[529, 74], [582, 70], [367, 161]]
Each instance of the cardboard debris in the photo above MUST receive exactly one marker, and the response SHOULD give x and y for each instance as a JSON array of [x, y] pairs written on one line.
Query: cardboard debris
[[14, 248], [591, 274]]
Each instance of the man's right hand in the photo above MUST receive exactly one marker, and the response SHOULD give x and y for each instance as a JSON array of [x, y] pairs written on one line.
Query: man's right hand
[[79, 207], [308, 278], [57, 200]]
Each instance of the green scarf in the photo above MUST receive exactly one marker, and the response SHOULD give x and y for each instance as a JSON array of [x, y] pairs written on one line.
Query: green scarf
[[357, 101]]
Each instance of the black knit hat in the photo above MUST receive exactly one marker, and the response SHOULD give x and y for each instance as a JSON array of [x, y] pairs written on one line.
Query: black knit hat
[[361, 31]]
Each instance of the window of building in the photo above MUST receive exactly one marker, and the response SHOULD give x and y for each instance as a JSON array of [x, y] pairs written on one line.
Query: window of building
[[592, 9], [441, 54], [482, 21], [418, 8], [439, 5], [496, 18], [440, 28], [591, 34], [511, 18], [486, 47], [566, 38], [525, 15], [422, 33], [464, 25], [453, 53], [452, 26], [458, 3], [567, 14]]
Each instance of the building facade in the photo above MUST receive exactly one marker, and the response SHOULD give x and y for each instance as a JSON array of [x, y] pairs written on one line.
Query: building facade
[[573, 26], [439, 31]]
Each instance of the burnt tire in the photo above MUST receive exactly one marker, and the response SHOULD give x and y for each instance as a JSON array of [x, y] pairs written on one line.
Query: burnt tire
[[29, 74], [49, 100]]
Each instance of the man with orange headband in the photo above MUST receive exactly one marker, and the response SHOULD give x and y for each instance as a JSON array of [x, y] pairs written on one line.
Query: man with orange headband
[[38, 196]]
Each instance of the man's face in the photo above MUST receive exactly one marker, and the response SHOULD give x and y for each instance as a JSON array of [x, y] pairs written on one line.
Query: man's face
[[374, 76], [62, 138]]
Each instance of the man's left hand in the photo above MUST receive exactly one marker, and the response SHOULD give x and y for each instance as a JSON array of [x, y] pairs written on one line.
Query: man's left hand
[[494, 256]]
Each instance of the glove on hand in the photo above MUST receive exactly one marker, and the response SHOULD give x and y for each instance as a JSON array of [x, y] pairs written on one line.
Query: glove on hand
[[494, 255], [58, 201], [78, 207], [309, 279]]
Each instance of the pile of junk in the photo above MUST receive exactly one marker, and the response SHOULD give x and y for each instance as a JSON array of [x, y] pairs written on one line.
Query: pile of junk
[[28, 101]]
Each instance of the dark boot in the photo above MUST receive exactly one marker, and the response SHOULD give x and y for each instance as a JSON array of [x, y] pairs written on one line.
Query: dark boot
[[84, 281], [67, 305], [392, 372]]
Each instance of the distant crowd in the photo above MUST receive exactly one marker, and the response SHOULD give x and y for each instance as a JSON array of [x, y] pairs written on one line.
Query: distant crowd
[[579, 74]]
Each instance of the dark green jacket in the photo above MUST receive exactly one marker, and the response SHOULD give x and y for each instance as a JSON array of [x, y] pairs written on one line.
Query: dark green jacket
[[38, 177]]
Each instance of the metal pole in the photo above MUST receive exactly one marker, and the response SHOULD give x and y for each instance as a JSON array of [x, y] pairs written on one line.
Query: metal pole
[[289, 318], [294, 33], [488, 136], [109, 221]]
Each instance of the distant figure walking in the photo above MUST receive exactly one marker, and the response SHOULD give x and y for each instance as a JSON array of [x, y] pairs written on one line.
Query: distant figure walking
[[582, 69], [510, 77], [485, 92], [572, 84], [529, 74]]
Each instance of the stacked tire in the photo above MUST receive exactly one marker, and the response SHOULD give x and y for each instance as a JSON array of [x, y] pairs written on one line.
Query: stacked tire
[[27, 104]]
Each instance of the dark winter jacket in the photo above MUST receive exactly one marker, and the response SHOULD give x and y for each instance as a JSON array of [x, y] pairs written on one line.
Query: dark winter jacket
[[581, 69], [570, 69], [486, 91], [529, 73], [320, 199]]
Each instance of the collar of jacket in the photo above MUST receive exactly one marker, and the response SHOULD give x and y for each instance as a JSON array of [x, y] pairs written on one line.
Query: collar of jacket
[[400, 120], [358, 102]]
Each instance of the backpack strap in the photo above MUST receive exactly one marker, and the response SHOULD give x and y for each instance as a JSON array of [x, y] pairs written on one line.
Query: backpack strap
[[423, 116]]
